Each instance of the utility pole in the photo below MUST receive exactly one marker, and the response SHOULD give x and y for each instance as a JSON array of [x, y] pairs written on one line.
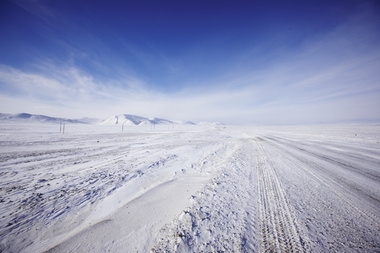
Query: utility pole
[[122, 127]]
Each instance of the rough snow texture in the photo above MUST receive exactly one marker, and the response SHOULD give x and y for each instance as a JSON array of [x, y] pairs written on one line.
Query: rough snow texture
[[201, 189]]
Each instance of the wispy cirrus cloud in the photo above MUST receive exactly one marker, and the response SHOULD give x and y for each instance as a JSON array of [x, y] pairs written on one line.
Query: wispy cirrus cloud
[[328, 77]]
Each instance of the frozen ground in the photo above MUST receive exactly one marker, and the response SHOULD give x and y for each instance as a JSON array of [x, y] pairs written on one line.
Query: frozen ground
[[189, 189]]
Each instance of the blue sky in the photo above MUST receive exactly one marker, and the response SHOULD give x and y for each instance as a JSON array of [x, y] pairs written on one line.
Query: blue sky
[[237, 62]]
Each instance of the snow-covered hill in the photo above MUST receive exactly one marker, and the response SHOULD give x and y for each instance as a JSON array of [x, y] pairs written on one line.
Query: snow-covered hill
[[121, 119], [206, 123], [35, 118], [133, 120]]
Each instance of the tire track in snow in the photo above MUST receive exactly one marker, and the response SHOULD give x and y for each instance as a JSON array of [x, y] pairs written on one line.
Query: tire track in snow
[[338, 216], [350, 162], [337, 185], [341, 192], [278, 225]]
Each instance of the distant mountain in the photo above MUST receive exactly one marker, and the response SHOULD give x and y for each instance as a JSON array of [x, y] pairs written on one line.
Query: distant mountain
[[183, 122], [206, 123], [91, 121], [133, 120], [35, 118], [122, 119]]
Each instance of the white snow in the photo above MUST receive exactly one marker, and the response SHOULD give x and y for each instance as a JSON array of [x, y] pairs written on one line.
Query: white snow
[[27, 118], [121, 119], [133, 120], [198, 188]]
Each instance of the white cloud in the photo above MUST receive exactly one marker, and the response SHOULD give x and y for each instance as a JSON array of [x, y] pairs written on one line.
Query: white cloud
[[347, 90], [329, 78]]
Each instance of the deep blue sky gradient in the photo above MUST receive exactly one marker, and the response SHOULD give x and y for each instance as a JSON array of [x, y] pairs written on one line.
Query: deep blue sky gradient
[[174, 49]]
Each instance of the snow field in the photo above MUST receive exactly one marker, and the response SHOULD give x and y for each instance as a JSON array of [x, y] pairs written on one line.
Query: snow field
[[54, 185], [201, 189]]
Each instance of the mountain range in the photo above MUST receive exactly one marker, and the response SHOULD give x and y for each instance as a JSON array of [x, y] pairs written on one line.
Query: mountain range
[[122, 119]]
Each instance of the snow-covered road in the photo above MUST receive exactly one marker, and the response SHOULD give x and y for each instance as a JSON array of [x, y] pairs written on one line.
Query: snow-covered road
[[199, 189]]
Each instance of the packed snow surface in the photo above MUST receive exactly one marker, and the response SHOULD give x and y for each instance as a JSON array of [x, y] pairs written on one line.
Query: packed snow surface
[[189, 188]]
